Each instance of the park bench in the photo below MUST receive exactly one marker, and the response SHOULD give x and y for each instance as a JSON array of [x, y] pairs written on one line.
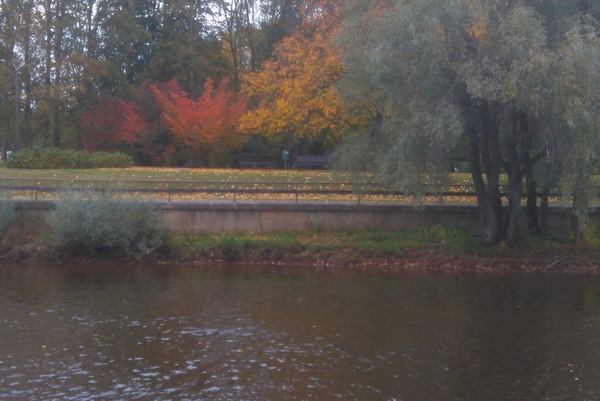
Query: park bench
[[312, 161], [248, 160]]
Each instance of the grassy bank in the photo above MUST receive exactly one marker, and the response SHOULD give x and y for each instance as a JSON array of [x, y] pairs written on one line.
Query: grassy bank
[[439, 248]]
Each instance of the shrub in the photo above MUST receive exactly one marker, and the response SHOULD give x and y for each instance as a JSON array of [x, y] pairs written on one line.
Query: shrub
[[49, 158], [111, 160], [100, 225], [234, 248], [52, 158]]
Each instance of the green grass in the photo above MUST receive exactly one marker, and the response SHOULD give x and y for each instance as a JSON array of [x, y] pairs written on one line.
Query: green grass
[[456, 248], [191, 174], [173, 179], [348, 246]]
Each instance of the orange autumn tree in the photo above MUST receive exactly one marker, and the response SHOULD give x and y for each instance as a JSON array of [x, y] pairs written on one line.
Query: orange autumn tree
[[206, 125], [294, 92]]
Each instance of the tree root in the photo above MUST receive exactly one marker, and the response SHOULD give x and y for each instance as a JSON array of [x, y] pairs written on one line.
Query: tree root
[[551, 265]]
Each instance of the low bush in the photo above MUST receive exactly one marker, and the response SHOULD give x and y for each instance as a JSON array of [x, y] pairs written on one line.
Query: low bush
[[49, 158], [111, 160], [234, 248], [52, 158], [87, 224]]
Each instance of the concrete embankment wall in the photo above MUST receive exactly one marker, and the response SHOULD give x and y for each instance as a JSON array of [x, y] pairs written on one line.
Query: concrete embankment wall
[[260, 216]]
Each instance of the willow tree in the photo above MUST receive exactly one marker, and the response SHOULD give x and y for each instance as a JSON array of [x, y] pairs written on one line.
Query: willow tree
[[481, 71], [507, 79], [576, 115], [399, 57]]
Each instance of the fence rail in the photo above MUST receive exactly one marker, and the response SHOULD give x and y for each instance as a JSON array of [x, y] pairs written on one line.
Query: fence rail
[[190, 190]]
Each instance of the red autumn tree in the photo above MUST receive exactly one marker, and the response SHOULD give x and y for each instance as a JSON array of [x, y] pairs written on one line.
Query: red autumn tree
[[110, 124], [155, 146], [201, 121]]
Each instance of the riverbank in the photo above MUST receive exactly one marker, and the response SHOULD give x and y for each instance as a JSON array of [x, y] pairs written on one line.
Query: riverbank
[[569, 263], [440, 248], [400, 237]]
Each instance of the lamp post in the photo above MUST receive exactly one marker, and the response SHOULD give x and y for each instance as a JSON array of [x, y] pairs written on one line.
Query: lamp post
[[17, 63]]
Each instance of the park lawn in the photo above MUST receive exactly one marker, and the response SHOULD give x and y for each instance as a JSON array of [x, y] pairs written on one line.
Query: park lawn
[[170, 174], [191, 174], [172, 179]]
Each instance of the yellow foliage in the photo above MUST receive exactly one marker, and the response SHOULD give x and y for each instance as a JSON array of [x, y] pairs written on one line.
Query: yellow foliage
[[295, 90], [477, 32]]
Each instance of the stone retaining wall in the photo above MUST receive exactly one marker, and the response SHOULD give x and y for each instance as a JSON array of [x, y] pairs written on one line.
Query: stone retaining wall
[[262, 216]]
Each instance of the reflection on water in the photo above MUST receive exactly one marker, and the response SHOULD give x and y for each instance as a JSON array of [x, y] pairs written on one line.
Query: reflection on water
[[188, 333]]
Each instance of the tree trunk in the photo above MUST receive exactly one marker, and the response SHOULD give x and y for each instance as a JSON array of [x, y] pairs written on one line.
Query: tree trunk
[[544, 209], [26, 75], [520, 164], [515, 191], [532, 210], [59, 27], [48, 63], [249, 34], [515, 183], [3, 149], [581, 206], [232, 39], [492, 149], [488, 197]]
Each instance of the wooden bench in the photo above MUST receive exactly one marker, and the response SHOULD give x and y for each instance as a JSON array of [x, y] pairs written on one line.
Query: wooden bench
[[313, 161], [248, 160]]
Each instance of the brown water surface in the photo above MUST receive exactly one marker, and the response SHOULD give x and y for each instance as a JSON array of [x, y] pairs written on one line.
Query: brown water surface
[[190, 333]]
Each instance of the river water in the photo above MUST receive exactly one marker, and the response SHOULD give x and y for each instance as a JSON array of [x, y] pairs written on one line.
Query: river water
[[193, 333]]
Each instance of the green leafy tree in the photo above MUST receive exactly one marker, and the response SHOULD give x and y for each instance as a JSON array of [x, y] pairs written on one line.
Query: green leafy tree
[[478, 70], [183, 45], [576, 115]]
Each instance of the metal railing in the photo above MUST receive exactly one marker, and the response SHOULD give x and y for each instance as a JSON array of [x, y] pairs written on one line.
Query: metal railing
[[234, 191]]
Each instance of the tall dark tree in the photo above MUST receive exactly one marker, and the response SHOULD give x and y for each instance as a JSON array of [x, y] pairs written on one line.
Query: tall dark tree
[[184, 47], [8, 16]]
